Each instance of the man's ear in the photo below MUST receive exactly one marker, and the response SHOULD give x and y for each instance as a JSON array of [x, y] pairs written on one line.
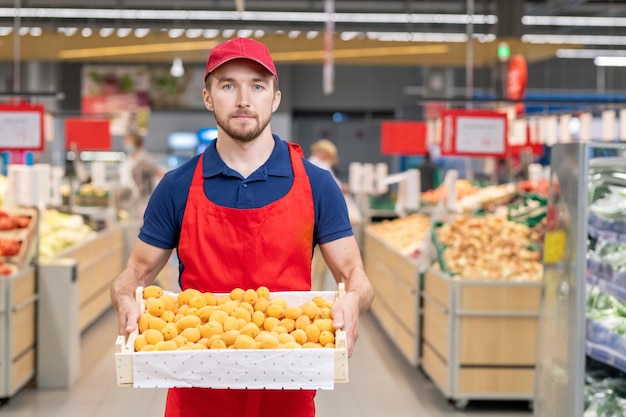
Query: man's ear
[[208, 101], [276, 101]]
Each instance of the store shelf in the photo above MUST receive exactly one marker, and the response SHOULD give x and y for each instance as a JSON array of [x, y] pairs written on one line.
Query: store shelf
[[607, 286], [606, 355]]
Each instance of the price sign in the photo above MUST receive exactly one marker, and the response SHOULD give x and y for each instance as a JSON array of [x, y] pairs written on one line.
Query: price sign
[[474, 133], [21, 127]]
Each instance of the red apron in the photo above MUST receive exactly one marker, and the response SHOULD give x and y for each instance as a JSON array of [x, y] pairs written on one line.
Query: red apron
[[222, 248]]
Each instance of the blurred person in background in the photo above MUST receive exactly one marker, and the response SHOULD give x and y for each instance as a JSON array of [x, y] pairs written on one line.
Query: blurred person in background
[[429, 173], [247, 212], [324, 155], [138, 174]]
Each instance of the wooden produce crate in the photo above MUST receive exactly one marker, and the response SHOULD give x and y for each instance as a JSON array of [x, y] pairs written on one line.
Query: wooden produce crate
[[479, 338], [18, 303], [306, 368], [100, 260], [395, 278]]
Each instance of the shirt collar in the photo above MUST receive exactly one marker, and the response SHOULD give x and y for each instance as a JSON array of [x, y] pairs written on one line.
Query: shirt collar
[[278, 164]]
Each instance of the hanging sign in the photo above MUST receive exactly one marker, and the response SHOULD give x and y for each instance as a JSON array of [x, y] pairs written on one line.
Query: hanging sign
[[88, 134], [403, 137], [473, 133], [21, 127]]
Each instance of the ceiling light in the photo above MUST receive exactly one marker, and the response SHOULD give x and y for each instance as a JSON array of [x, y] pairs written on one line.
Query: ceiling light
[[175, 33], [348, 36], [259, 33], [67, 31], [585, 21], [588, 53], [574, 39], [312, 34], [193, 33], [293, 34], [227, 33], [35, 31], [142, 32], [211, 33], [106, 32], [139, 49], [610, 61], [246, 33], [86, 32], [4, 30], [23, 31], [177, 69], [123, 32]]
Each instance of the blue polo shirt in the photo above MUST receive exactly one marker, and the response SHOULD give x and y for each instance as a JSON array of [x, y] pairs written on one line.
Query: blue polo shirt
[[163, 217]]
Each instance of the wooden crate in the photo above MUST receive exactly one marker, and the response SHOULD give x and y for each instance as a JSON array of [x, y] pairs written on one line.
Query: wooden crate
[[236, 368], [395, 278], [480, 337]]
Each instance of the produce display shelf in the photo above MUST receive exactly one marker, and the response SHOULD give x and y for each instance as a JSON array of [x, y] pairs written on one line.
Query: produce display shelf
[[606, 235], [606, 355], [479, 337], [307, 368]]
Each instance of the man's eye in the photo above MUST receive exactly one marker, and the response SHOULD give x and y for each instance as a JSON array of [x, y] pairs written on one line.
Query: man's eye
[[228, 86], [258, 87]]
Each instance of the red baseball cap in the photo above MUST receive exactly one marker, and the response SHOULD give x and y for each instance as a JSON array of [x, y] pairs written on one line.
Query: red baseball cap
[[240, 48]]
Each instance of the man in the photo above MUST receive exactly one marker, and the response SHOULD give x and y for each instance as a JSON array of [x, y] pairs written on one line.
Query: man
[[245, 213]]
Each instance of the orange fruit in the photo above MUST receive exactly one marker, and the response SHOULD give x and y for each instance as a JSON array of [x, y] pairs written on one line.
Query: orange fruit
[[155, 306], [275, 310], [293, 312], [302, 322], [168, 316], [292, 345], [192, 334], [157, 323], [250, 329], [211, 328], [153, 336], [186, 295], [147, 348], [188, 322], [326, 337], [198, 301], [169, 301], [269, 323], [299, 335], [169, 332], [242, 313], [218, 344], [258, 317], [140, 342], [285, 338], [261, 304], [279, 330], [219, 316], [270, 341], [230, 336], [230, 323], [236, 294], [229, 307], [144, 322], [245, 342], [205, 313], [250, 296], [281, 301], [263, 292], [312, 333], [288, 324], [324, 324], [211, 299], [310, 309]]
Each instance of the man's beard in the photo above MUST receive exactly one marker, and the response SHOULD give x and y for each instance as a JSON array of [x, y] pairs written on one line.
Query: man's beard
[[242, 134]]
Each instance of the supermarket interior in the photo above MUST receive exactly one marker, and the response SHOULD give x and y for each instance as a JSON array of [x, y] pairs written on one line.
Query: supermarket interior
[[480, 146]]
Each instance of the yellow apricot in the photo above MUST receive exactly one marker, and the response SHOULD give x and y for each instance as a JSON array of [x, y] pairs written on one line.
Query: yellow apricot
[[293, 312], [299, 335], [261, 304], [168, 316], [302, 322], [279, 330], [324, 324], [205, 313], [325, 313], [288, 324], [191, 311], [310, 309], [292, 345], [247, 306], [320, 301], [258, 317], [153, 336], [166, 345], [197, 301], [285, 338], [211, 328], [229, 307], [213, 339], [250, 296], [326, 337], [230, 323], [211, 299], [188, 322], [179, 340], [155, 306], [263, 292], [144, 322], [237, 294], [230, 336], [140, 342], [329, 346], [281, 301], [270, 322], [186, 295], [250, 329], [152, 291], [192, 334], [182, 309], [219, 316], [270, 341], [312, 333], [147, 348], [245, 342], [218, 344], [157, 323], [169, 332], [311, 345], [169, 301], [242, 313], [275, 310]]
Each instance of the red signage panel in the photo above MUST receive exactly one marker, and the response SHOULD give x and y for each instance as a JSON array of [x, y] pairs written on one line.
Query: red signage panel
[[21, 127], [473, 133], [88, 134], [403, 138]]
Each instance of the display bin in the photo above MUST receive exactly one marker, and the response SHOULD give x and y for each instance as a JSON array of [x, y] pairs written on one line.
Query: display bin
[[18, 304], [396, 281], [318, 368], [100, 260], [479, 338]]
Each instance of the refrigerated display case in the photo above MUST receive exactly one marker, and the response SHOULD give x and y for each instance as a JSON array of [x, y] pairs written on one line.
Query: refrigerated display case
[[586, 208]]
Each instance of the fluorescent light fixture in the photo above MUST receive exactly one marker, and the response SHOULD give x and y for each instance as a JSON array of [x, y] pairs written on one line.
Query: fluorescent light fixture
[[259, 33], [583, 21], [244, 33], [86, 32], [348, 36], [271, 16], [175, 33], [417, 37], [136, 49], [5, 31], [68, 31], [228, 33], [23, 31], [312, 34], [610, 61], [574, 39], [293, 34], [588, 53]]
